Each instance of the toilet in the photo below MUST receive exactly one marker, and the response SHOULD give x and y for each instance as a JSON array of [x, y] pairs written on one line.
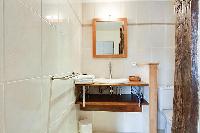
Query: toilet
[[166, 106], [168, 120]]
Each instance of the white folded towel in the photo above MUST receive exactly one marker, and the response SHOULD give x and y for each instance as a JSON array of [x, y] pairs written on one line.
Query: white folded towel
[[84, 79]]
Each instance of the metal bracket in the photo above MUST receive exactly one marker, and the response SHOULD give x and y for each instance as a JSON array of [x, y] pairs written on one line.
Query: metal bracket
[[138, 91]]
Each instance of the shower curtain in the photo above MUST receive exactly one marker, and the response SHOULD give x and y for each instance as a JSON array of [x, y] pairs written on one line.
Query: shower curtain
[[186, 102]]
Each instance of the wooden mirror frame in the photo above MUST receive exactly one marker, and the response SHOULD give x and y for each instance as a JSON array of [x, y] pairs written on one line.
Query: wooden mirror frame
[[125, 38]]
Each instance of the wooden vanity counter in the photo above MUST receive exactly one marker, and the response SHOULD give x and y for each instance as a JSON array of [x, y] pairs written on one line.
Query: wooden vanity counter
[[121, 84]]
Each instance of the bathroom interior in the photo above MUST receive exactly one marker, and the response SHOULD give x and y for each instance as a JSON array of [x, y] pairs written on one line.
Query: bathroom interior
[[83, 66]]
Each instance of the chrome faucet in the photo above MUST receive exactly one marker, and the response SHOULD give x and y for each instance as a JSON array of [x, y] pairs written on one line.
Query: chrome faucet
[[110, 70]]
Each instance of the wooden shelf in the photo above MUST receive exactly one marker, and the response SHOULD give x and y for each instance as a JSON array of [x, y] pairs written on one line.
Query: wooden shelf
[[124, 84], [112, 103]]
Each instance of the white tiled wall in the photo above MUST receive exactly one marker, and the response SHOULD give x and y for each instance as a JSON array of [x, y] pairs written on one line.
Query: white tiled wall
[[117, 122], [146, 43], [1, 40], [1, 70], [22, 42], [31, 49], [1, 109]]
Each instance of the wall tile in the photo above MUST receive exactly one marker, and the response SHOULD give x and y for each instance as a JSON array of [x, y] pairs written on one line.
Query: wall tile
[[61, 39], [49, 49], [143, 36], [77, 8], [169, 12], [86, 115], [162, 12], [23, 106], [76, 47], [23, 51], [1, 108], [61, 108], [132, 38], [158, 35], [63, 115], [45, 103], [65, 54], [34, 4], [106, 126], [166, 58], [130, 10], [157, 11], [117, 67], [50, 13], [103, 10], [119, 122], [69, 55], [170, 36], [145, 118], [65, 17], [50, 10], [87, 37], [135, 120], [143, 12], [62, 97], [58, 58], [1, 40], [88, 13], [92, 66], [68, 121], [163, 36], [140, 55]]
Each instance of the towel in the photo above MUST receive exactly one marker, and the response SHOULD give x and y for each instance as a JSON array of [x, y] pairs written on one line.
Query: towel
[[84, 79]]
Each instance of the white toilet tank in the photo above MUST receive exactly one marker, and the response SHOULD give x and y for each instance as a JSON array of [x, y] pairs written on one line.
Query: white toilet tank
[[165, 98], [165, 101]]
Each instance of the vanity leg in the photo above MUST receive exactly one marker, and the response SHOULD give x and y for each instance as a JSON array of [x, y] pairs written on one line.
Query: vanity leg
[[83, 96]]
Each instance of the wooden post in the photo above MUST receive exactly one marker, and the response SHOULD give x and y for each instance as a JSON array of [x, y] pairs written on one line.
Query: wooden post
[[153, 97]]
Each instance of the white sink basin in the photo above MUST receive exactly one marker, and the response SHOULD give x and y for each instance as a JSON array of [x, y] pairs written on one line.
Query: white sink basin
[[111, 81]]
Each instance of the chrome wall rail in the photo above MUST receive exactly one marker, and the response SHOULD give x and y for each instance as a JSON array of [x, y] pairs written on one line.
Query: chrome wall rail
[[73, 75]]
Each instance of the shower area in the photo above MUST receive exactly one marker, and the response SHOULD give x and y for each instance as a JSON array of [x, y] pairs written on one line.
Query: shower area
[[38, 39]]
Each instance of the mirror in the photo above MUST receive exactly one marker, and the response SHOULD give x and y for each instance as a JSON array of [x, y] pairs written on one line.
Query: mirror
[[110, 38]]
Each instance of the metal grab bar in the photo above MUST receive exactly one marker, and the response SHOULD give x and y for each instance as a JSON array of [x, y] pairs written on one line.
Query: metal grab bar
[[73, 75]]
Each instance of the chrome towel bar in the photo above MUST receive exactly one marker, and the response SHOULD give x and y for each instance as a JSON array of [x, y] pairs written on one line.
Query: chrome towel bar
[[73, 75]]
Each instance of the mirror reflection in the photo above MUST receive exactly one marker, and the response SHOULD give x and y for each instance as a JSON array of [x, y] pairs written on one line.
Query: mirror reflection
[[110, 38]]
